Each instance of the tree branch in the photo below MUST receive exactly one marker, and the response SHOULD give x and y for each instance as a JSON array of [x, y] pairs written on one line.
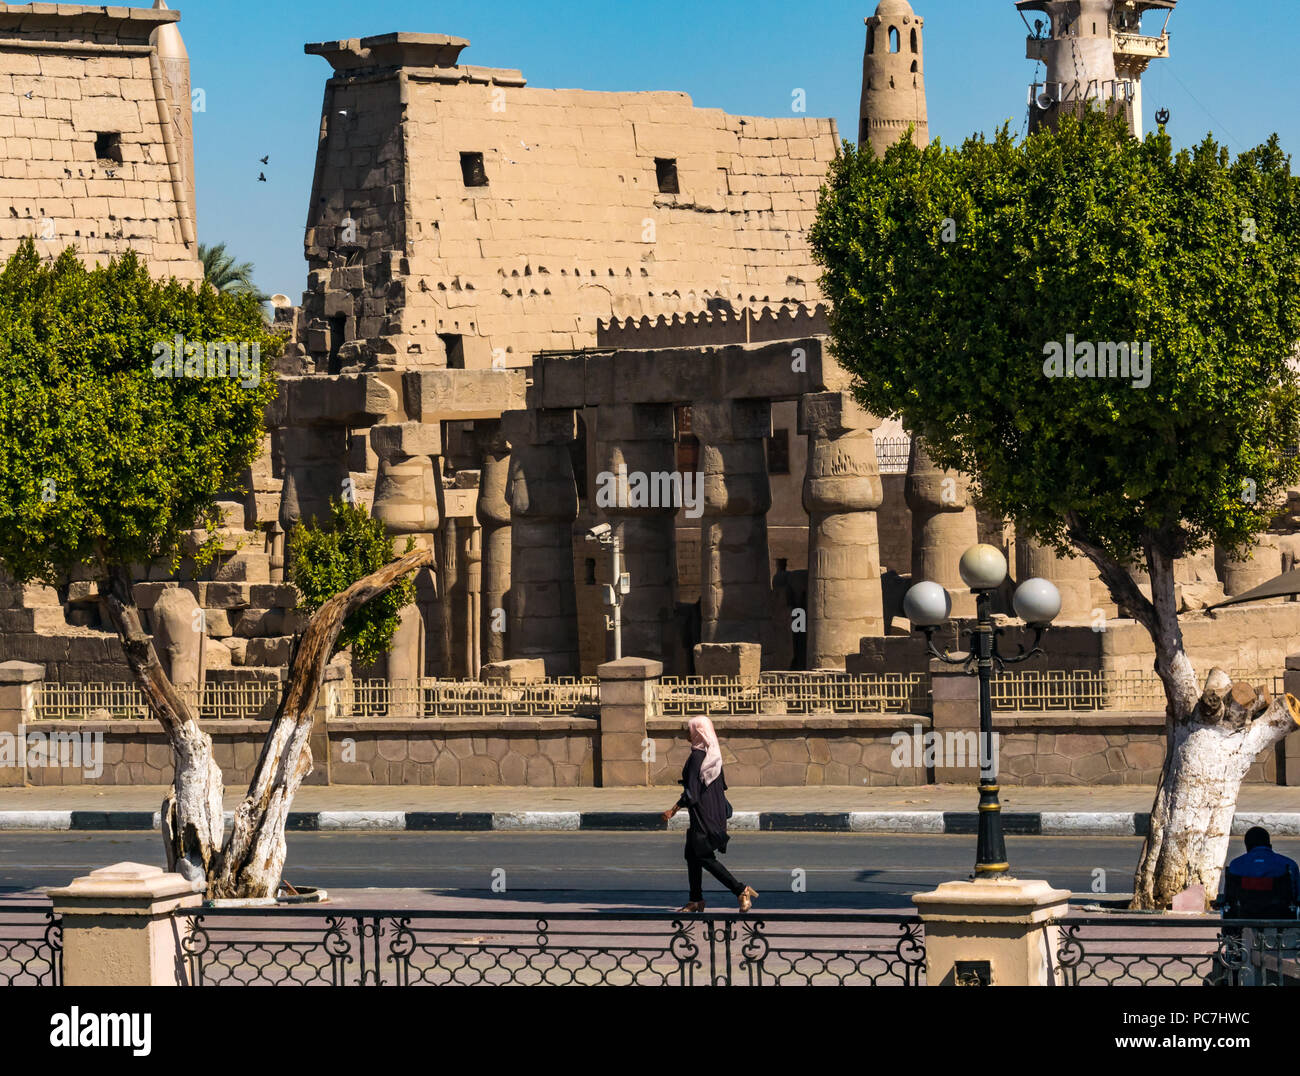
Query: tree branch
[[1120, 584]]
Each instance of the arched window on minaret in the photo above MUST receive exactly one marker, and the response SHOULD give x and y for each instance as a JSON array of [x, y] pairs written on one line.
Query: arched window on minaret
[[871, 40], [895, 42], [914, 69], [913, 40]]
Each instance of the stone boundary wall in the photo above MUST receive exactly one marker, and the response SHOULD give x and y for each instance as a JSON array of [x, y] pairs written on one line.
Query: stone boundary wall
[[549, 752]]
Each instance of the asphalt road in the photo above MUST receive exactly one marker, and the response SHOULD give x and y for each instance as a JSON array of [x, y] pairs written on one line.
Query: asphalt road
[[838, 869]]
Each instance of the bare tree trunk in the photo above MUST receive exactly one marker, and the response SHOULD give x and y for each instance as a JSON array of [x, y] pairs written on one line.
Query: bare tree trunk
[[192, 819], [253, 858], [1211, 740]]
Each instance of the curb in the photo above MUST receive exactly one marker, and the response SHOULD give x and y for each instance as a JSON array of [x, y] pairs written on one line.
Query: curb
[[1014, 823]]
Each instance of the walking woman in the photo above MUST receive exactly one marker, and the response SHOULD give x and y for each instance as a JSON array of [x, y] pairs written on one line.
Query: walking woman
[[702, 795]]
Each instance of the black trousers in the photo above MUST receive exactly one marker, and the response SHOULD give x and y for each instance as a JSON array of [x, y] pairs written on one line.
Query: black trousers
[[695, 866]]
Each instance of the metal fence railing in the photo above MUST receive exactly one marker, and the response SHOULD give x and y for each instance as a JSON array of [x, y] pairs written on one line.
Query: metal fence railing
[[31, 945], [562, 696], [1076, 690], [334, 947], [892, 454], [795, 693], [1115, 950], [246, 699]]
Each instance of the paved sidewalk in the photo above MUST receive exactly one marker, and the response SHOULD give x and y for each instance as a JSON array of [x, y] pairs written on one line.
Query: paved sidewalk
[[1092, 810]]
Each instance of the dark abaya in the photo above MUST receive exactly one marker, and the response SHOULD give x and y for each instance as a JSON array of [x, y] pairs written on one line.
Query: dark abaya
[[707, 834]]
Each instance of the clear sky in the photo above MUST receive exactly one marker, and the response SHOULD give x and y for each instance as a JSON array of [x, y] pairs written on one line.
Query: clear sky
[[1236, 76]]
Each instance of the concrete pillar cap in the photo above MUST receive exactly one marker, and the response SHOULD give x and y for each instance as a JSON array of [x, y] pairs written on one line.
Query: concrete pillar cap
[[125, 881], [20, 672], [992, 899], [631, 669]]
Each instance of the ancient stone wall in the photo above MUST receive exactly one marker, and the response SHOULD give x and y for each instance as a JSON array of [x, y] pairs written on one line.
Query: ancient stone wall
[[94, 135], [460, 217]]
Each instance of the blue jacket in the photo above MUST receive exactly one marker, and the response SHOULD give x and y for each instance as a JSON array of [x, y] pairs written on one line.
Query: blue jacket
[[1263, 862]]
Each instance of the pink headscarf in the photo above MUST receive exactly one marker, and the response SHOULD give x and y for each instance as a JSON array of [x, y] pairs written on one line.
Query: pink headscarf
[[705, 738]]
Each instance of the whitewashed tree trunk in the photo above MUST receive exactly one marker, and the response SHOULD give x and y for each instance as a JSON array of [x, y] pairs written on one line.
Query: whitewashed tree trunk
[[1212, 738], [251, 860], [192, 820], [1208, 755]]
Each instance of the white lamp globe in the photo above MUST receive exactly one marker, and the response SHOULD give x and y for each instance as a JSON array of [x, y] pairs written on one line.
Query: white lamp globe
[[983, 567], [1037, 601], [927, 605]]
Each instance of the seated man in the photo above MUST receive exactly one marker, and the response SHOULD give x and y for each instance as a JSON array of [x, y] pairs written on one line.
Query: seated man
[[1261, 884]]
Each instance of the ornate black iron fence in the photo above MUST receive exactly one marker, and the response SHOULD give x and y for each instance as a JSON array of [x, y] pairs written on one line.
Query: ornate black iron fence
[[31, 945], [334, 947], [1108, 950]]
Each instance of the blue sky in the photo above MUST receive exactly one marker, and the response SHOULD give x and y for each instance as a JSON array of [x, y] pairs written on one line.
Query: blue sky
[[1236, 77]]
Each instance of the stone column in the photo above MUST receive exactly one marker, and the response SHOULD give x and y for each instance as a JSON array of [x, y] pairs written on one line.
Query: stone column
[[406, 501], [1073, 577], [628, 700], [20, 693], [735, 572], [543, 617], [638, 459], [1006, 927], [493, 513], [1241, 575], [315, 467], [118, 926], [943, 526], [841, 492]]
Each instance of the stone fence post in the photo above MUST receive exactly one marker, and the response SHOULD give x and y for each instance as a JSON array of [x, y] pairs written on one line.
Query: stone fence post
[[332, 702], [992, 932], [118, 927], [628, 699], [1290, 746], [20, 691], [956, 698]]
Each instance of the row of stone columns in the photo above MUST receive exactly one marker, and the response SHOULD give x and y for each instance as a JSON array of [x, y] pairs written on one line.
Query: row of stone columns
[[842, 493]]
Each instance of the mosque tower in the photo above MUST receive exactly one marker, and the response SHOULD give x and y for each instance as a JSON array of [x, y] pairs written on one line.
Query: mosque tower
[[893, 78], [1092, 50]]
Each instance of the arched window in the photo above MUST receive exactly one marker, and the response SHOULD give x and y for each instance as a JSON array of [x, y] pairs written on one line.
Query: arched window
[[913, 40], [894, 41], [914, 67], [871, 40]]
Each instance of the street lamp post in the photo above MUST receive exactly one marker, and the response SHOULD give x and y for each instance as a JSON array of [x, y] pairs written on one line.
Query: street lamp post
[[615, 592], [927, 605]]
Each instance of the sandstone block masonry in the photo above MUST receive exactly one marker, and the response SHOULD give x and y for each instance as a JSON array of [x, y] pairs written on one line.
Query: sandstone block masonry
[[460, 217], [95, 135]]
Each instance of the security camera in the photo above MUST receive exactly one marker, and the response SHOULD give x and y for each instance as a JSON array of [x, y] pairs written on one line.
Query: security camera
[[599, 531]]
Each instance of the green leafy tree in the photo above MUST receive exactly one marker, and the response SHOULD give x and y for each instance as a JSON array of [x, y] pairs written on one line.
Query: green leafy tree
[[124, 417], [327, 560], [227, 275], [956, 274]]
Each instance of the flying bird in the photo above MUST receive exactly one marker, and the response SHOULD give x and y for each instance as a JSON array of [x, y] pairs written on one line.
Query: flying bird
[[29, 94], [266, 159], [261, 177]]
